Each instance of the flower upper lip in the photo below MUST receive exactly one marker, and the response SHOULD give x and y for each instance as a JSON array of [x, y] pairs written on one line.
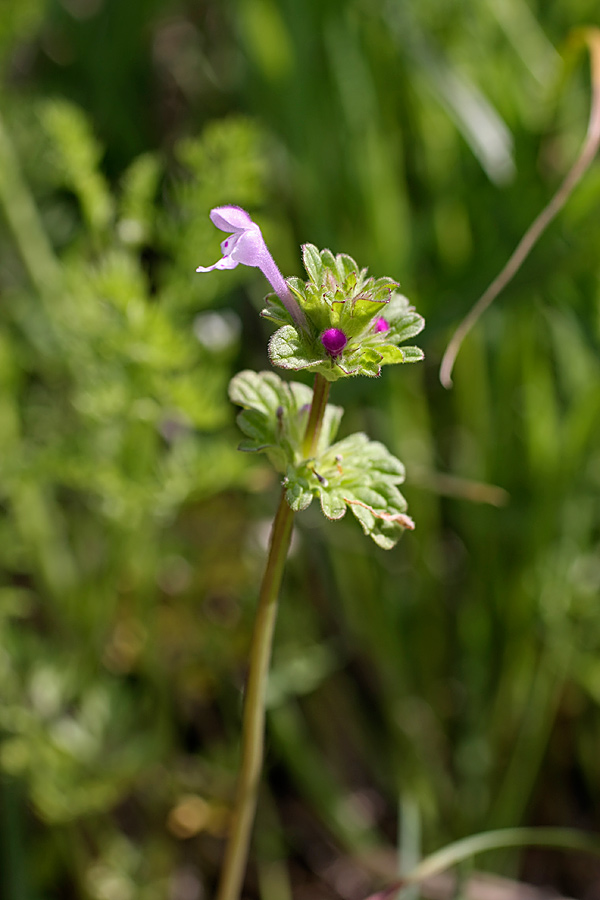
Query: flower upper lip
[[231, 218]]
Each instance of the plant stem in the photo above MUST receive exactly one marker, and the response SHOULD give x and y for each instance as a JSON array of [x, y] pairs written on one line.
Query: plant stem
[[542, 220], [254, 707], [253, 726], [315, 418]]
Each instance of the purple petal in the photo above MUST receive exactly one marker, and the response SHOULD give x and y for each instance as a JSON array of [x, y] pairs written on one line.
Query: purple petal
[[230, 218], [382, 324], [248, 247], [227, 262]]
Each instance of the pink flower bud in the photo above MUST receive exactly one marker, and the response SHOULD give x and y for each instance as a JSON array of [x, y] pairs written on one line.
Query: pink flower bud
[[334, 340]]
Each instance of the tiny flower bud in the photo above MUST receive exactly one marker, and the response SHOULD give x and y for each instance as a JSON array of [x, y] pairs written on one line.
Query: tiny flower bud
[[382, 324], [334, 340]]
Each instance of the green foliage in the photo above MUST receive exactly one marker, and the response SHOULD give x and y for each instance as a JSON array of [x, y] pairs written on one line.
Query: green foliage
[[340, 295], [462, 668], [275, 416], [354, 473], [19, 19], [227, 162], [78, 156], [128, 365], [113, 408], [79, 749]]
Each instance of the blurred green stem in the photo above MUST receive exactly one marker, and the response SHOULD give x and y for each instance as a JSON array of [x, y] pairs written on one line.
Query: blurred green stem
[[14, 880], [465, 849], [253, 727], [409, 842]]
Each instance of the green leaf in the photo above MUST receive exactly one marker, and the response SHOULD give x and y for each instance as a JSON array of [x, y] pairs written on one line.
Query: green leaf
[[346, 266], [318, 311], [286, 349], [256, 425], [275, 311], [333, 504], [412, 354], [392, 354], [404, 322], [358, 474], [411, 325], [256, 390], [298, 492], [274, 417], [312, 263], [290, 350], [370, 362], [297, 287], [358, 314]]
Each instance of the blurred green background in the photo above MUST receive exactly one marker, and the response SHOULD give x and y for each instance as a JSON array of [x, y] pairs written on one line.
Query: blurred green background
[[449, 686]]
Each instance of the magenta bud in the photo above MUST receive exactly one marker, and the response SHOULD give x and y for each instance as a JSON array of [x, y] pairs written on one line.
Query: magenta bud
[[334, 340], [382, 324]]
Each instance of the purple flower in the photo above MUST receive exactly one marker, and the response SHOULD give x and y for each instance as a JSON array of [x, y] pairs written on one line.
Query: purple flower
[[382, 324], [246, 245], [334, 340]]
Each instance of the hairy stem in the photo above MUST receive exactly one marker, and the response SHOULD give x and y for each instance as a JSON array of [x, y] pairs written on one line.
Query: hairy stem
[[253, 726], [254, 707], [315, 418]]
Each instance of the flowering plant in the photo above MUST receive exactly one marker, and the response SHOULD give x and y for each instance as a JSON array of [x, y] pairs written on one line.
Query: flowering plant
[[339, 322], [355, 322]]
